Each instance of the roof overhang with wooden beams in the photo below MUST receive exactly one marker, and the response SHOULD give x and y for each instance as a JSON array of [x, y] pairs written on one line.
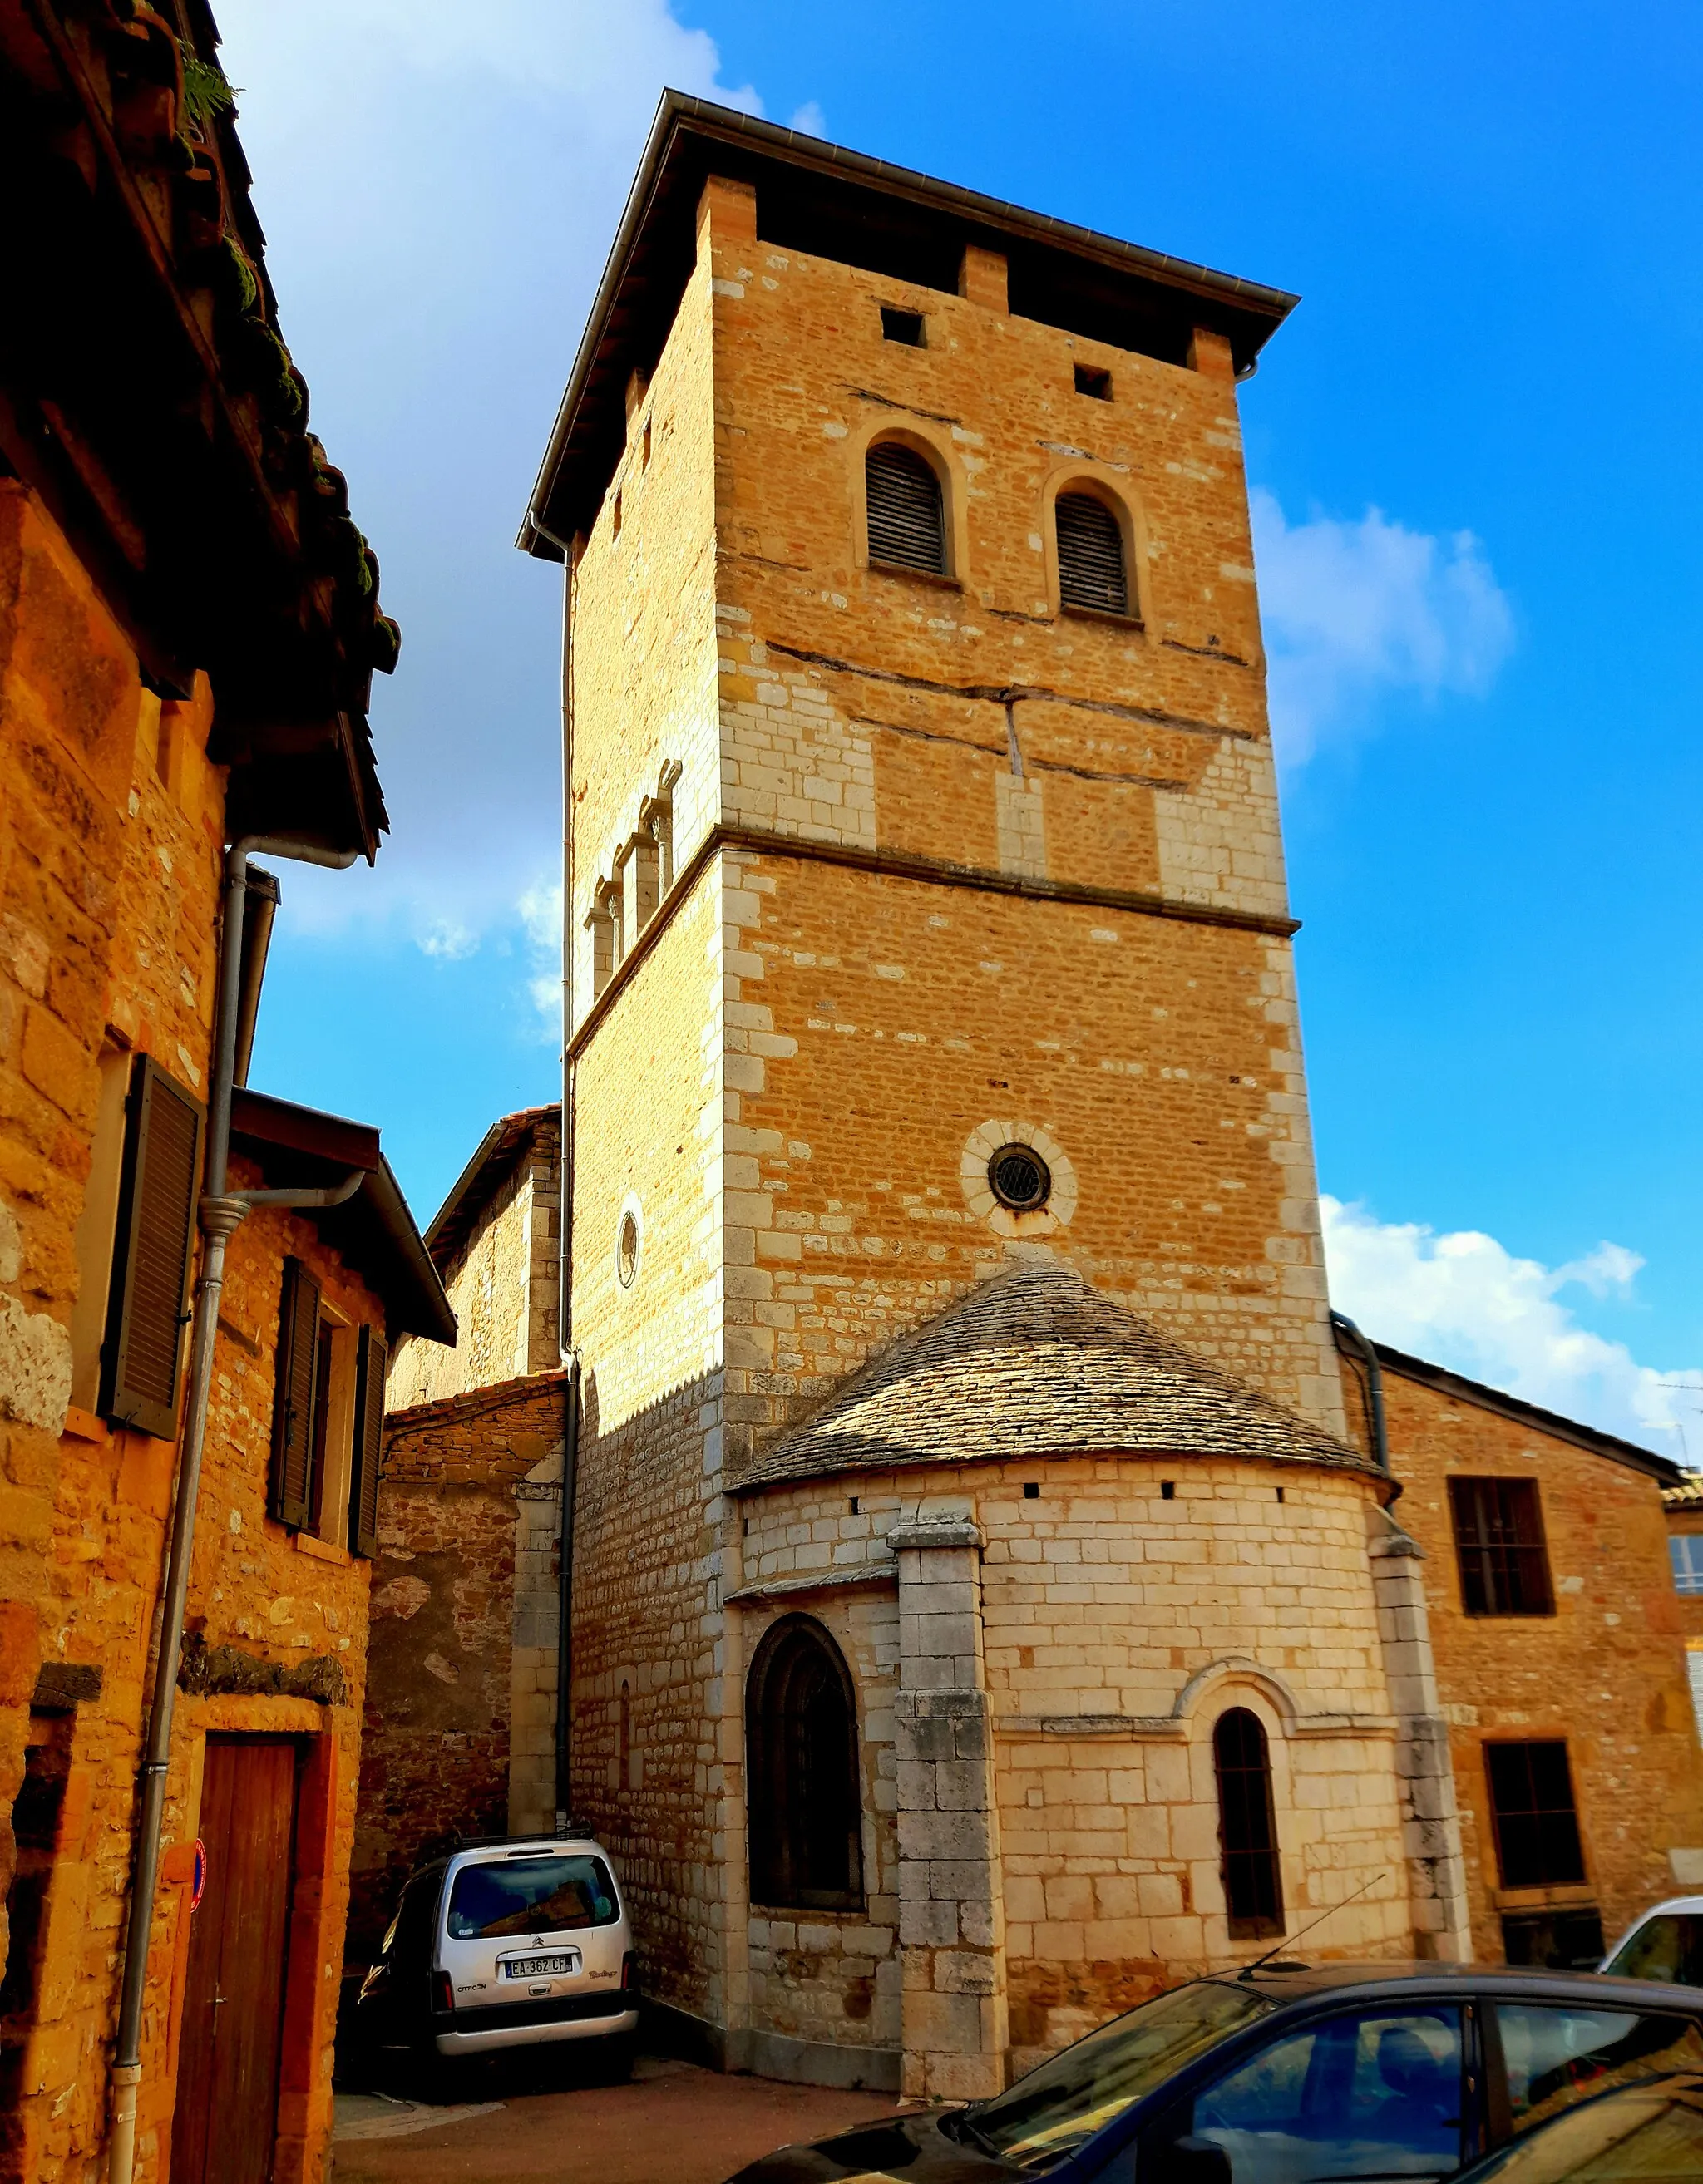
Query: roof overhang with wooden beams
[[148, 398], [300, 1148], [817, 197]]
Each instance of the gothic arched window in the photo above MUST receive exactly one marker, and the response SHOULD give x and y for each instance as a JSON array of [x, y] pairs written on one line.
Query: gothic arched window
[[905, 509], [1091, 554], [1246, 1826], [807, 1820]]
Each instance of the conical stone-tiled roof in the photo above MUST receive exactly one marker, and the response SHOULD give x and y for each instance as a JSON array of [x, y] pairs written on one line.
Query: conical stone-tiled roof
[[1036, 1362]]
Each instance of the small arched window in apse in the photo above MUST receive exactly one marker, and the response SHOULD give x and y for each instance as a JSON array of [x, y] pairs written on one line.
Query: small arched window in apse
[[1091, 555], [1246, 1826], [905, 509], [803, 1795]]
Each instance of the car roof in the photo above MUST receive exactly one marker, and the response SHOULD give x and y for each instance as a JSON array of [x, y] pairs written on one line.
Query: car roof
[[1311, 1982], [1668, 1903], [485, 1854]]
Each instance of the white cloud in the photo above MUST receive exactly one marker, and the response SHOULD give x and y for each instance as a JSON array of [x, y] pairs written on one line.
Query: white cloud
[[809, 120], [1464, 1300], [439, 185], [1355, 611], [540, 915], [447, 941]]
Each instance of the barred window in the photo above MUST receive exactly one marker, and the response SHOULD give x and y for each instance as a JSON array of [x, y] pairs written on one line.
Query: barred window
[[1498, 1539], [907, 509], [1537, 1824], [1246, 1826], [1091, 555]]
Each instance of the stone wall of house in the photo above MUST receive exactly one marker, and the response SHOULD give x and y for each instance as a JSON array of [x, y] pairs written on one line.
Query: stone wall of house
[[504, 1288], [460, 1699], [1607, 1672], [109, 841], [283, 1597], [111, 833]]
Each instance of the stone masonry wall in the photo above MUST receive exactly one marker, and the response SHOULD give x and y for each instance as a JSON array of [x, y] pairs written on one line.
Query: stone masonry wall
[[110, 836], [504, 1288], [284, 1597], [884, 714], [460, 1702], [1607, 1672], [1118, 1622]]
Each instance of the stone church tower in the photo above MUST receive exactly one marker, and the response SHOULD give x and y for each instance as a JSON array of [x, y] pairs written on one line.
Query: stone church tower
[[979, 1615]]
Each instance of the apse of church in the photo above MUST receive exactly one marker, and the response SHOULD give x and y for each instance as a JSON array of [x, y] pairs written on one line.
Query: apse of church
[[979, 1616]]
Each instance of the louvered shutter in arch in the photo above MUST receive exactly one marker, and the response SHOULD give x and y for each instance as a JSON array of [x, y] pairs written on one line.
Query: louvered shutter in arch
[[369, 1442], [153, 1252], [292, 1398], [907, 509], [1091, 555]]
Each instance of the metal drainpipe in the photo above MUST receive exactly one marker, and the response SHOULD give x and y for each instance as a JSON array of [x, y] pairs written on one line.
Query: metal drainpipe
[[570, 1450], [1375, 1401], [220, 1214], [564, 1634]]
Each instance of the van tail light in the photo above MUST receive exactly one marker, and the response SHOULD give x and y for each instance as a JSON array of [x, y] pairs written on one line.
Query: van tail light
[[443, 1993], [629, 1973]]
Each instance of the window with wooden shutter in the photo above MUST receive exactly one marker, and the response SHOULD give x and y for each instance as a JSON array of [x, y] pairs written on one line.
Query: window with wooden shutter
[[369, 1443], [154, 1251], [1091, 555], [907, 509], [292, 1398]]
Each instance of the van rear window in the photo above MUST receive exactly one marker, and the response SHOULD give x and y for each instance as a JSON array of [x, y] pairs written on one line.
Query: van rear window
[[544, 1895]]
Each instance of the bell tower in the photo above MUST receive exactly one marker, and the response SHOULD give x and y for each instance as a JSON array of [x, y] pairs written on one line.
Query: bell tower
[[925, 894]]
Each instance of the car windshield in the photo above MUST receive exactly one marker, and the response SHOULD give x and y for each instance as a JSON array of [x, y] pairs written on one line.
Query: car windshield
[[1646, 2135], [546, 1894], [1046, 2115]]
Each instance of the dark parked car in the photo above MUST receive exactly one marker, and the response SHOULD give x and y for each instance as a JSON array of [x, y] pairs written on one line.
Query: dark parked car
[[1290, 2077], [1643, 2134]]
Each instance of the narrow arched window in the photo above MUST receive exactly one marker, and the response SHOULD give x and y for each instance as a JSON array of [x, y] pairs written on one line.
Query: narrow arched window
[[907, 509], [1246, 1826], [806, 1821], [1091, 554]]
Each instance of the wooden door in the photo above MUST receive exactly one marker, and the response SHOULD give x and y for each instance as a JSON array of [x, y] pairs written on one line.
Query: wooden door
[[225, 2120]]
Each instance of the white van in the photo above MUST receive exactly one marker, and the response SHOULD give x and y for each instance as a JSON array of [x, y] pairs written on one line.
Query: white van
[[515, 1942], [1666, 1944]]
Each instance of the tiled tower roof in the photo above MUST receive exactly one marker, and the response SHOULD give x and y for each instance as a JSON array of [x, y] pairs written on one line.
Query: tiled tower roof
[[1037, 1362]]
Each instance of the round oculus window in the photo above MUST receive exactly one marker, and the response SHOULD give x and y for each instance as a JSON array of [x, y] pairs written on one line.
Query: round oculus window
[[627, 1249], [1020, 1178]]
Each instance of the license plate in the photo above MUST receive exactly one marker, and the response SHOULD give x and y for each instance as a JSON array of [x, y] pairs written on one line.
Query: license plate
[[540, 1967]]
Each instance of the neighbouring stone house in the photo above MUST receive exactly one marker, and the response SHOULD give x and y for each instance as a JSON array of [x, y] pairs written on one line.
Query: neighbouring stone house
[[988, 1598], [188, 627]]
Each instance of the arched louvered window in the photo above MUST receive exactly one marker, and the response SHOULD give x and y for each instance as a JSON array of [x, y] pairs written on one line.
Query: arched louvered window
[[806, 1821], [907, 509], [1246, 1826], [1091, 554]]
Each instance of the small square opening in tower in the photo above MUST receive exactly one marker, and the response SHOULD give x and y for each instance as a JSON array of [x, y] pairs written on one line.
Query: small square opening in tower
[[1091, 380], [906, 326], [1031, 1490], [1167, 1489]]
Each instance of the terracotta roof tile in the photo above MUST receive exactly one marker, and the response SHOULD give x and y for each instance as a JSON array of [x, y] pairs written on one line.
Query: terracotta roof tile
[[1037, 1362]]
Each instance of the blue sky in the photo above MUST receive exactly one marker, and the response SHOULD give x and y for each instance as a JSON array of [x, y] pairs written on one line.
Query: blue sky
[[1477, 474]]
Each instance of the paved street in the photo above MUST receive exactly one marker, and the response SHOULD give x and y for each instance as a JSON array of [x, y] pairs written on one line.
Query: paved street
[[673, 2125]]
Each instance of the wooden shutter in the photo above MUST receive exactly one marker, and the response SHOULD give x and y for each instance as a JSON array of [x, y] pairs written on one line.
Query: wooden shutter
[[907, 513], [152, 1253], [292, 1398], [1091, 555], [369, 1443]]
